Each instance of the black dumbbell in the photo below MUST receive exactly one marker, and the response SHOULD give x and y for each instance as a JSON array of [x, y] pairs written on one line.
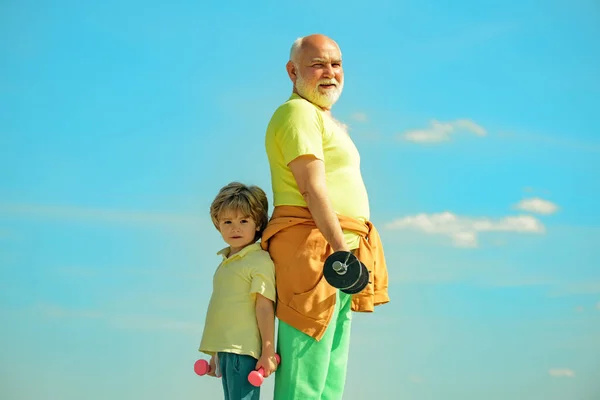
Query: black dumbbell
[[344, 271]]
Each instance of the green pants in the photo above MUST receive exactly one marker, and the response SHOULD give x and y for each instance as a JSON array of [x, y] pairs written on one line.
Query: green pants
[[310, 369]]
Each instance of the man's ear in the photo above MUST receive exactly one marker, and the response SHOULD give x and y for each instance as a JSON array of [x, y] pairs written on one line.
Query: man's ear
[[291, 70]]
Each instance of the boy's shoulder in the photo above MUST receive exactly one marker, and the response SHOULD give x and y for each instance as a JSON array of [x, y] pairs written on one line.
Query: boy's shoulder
[[259, 256], [259, 253]]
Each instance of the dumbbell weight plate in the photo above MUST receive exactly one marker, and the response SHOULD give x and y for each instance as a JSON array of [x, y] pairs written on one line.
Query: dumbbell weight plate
[[348, 279]]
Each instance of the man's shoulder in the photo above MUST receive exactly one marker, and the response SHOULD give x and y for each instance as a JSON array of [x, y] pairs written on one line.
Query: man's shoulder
[[294, 107]]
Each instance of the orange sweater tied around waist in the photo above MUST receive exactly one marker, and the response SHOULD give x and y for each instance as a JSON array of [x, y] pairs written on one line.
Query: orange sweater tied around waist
[[304, 298]]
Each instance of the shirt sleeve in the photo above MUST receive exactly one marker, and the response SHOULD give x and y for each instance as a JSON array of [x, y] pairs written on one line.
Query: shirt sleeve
[[300, 131], [263, 278]]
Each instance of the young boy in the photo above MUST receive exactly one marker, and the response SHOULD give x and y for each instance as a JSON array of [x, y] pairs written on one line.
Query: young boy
[[239, 328]]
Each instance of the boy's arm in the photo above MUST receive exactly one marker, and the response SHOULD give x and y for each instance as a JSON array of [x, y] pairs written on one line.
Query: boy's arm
[[265, 316]]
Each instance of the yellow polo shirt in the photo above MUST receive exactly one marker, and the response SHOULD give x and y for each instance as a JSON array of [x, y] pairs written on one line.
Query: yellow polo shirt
[[231, 324], [297, 128]]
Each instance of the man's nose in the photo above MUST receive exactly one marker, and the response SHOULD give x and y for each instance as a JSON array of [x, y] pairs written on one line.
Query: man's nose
[[328, 71]]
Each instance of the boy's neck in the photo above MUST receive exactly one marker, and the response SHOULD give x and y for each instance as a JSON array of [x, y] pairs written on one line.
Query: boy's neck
[[233, 251]]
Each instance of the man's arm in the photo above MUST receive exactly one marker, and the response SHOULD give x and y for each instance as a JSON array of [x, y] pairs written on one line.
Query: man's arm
[[309, 173]]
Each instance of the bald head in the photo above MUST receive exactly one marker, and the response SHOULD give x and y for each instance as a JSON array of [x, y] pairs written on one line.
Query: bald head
[[312, 43], [315, 68]]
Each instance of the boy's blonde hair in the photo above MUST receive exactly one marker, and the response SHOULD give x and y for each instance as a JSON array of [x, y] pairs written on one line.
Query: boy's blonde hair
[[248, 200]]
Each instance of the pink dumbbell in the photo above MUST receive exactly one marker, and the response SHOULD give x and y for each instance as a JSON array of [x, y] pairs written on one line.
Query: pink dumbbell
[[256, 378], [202, 367]]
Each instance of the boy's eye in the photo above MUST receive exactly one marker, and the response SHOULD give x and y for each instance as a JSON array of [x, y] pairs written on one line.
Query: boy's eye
[[244, 221]]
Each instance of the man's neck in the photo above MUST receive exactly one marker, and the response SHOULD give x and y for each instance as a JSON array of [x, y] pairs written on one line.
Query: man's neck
[[324, 109]]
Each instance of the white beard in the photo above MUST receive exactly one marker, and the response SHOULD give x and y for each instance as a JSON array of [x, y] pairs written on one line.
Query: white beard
[[325, 100]]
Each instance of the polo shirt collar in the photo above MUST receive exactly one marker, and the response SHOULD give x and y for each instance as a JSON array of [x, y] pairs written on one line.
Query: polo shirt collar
[[248, 249], [297, 96]]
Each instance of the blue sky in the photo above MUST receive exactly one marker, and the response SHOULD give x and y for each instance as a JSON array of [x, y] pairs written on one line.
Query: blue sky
[[478, 131]]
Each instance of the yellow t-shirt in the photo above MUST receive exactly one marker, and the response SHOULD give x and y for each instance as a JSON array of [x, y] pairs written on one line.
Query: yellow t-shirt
[[299, 128], [231, 324]]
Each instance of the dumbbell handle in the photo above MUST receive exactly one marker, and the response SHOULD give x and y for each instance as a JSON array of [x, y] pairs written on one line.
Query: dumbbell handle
[[340, 267], [256, 378]]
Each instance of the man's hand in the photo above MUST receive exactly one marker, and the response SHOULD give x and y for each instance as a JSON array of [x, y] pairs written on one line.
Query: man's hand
[[268, 362], [309, 173], [213, 367]]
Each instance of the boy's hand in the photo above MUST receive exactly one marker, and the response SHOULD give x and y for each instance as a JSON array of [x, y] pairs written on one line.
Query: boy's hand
[[213, 367], [268, 362]]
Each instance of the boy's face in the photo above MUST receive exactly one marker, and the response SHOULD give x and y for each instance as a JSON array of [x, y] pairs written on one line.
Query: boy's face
[[237, 230]]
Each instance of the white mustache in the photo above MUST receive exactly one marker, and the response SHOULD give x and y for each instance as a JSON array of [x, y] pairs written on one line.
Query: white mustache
[[328, 82]]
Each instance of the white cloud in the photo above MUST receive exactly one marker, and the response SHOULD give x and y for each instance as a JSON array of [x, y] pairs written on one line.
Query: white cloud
[[465, 239], [441, 131], [562, 372], [598, 305], [537, 205], [416, 379], [360, 117], [579, 309], [463, 230]]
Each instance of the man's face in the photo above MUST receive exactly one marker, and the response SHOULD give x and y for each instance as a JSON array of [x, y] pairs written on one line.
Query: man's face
[[319, 74]]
